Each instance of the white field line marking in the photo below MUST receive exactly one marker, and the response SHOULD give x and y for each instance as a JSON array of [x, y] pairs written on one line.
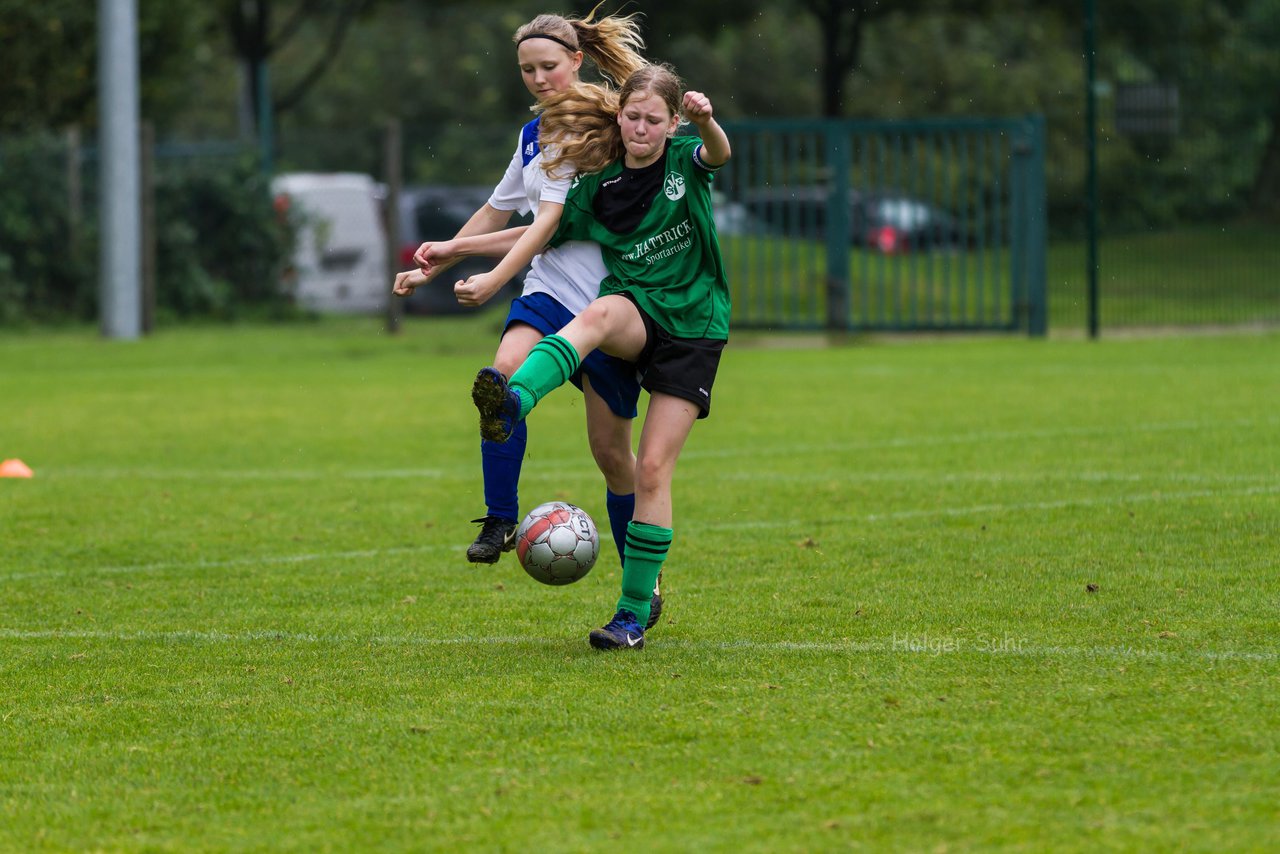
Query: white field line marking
[[582, 471], [565, 465], [244, 561], [894, 646], [1016, 507], [848, 476], [1271, 489], [977, 438], [754, 524], [90, 473]]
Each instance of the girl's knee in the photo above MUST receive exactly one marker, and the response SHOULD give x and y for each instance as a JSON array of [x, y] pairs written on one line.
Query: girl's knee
[[614, 459], [602, 313], [652, 475]]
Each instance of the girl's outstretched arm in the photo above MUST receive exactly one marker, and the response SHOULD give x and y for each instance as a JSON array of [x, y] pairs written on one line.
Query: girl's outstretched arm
[[486, 219], [715, 144], [435, 258], [477, 289]]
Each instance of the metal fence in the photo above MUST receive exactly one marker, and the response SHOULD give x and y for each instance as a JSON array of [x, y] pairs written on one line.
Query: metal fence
[[901, 226], [1188, 176], [195, 205]]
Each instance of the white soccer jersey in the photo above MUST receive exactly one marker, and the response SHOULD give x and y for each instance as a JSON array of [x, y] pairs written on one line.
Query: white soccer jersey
[[572, 271]]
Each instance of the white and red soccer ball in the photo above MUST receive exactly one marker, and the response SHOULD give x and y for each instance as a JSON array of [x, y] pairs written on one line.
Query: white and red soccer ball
[[557, 543]]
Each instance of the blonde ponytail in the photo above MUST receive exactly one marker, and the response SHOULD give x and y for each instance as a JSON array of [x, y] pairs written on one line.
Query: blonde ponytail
[[613, 43]]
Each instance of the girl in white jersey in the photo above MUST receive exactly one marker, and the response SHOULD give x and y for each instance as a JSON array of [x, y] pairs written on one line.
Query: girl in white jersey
[[561, 283]]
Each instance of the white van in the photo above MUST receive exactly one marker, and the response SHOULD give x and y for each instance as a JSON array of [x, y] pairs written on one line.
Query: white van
[[340, 262]]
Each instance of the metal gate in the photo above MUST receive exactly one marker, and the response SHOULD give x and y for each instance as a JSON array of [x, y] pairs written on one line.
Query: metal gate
[[902, 225]]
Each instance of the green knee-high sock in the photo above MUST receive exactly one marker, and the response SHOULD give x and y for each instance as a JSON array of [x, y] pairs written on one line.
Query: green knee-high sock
[[549, 365], [646, 550]]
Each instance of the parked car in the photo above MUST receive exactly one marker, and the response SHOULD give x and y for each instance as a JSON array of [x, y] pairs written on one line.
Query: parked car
[[888, 221], [340, 258], [436, 213], [899, 223]]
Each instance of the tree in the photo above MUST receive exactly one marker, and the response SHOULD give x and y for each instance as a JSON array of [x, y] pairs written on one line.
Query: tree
[[844, 24], [842, 27], [1221, 56], [255, 40], [46, 84]]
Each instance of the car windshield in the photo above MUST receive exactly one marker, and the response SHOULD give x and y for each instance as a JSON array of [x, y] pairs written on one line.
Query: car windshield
[[902, 213]]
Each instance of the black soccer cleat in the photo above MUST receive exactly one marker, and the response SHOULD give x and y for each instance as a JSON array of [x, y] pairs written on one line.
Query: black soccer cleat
[[655, 605], [498, 404], [497, 535], [622, 632]]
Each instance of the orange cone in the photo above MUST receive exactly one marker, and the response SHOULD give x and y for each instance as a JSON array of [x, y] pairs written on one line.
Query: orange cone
[[15, 468]]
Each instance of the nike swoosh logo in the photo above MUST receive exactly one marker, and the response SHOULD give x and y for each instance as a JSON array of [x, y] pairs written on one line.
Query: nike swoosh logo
[[633, 641]]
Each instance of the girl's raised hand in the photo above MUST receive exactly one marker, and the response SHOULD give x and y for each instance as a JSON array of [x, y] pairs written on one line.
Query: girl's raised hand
[[697, 107]]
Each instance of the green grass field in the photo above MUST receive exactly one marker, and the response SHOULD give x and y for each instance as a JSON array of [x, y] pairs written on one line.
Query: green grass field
[[936, 595]]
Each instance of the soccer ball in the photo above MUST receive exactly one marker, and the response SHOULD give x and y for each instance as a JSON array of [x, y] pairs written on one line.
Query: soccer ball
[[557, 543]]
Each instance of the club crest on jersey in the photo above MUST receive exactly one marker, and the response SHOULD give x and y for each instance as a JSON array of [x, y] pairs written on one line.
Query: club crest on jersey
[[674, 186]]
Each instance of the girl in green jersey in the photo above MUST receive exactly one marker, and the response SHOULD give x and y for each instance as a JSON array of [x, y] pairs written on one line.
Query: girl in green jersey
[[664, 305]]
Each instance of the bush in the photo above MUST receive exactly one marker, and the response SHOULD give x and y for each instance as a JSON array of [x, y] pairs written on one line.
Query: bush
[[44, 273], [220, 246]]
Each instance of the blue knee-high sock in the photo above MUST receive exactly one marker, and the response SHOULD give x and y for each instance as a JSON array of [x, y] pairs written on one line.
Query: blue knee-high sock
[[621, 509], [501, 462]]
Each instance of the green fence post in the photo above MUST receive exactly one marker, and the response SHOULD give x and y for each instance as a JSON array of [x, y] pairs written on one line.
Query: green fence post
[[837, 224], [1037, 232]]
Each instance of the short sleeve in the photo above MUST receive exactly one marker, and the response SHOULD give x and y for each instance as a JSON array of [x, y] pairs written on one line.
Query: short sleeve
[[556, 183], [509, 195], [700, 168]]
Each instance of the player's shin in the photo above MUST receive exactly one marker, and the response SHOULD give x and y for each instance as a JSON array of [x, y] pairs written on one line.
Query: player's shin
[[548, 366], [621, 508]]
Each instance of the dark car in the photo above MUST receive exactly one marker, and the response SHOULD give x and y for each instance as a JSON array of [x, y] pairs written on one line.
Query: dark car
[[436, 213], [888, 221]]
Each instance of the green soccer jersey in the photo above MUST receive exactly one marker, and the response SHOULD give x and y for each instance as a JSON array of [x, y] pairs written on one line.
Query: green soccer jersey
[[670, 263]]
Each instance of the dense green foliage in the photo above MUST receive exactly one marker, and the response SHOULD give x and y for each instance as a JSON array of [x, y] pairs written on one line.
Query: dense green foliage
[[220, 247], [447, 71], [51, 62], [983, 594], [46, 269]]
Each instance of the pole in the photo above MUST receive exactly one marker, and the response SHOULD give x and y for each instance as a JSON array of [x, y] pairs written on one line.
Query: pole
[[394, 166], [75, 191], [266, 117], [148, 160], [1091, 147], [120, 285]]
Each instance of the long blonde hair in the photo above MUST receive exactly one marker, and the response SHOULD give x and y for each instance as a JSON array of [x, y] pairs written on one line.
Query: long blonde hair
[[580, 124], [613, 43]]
